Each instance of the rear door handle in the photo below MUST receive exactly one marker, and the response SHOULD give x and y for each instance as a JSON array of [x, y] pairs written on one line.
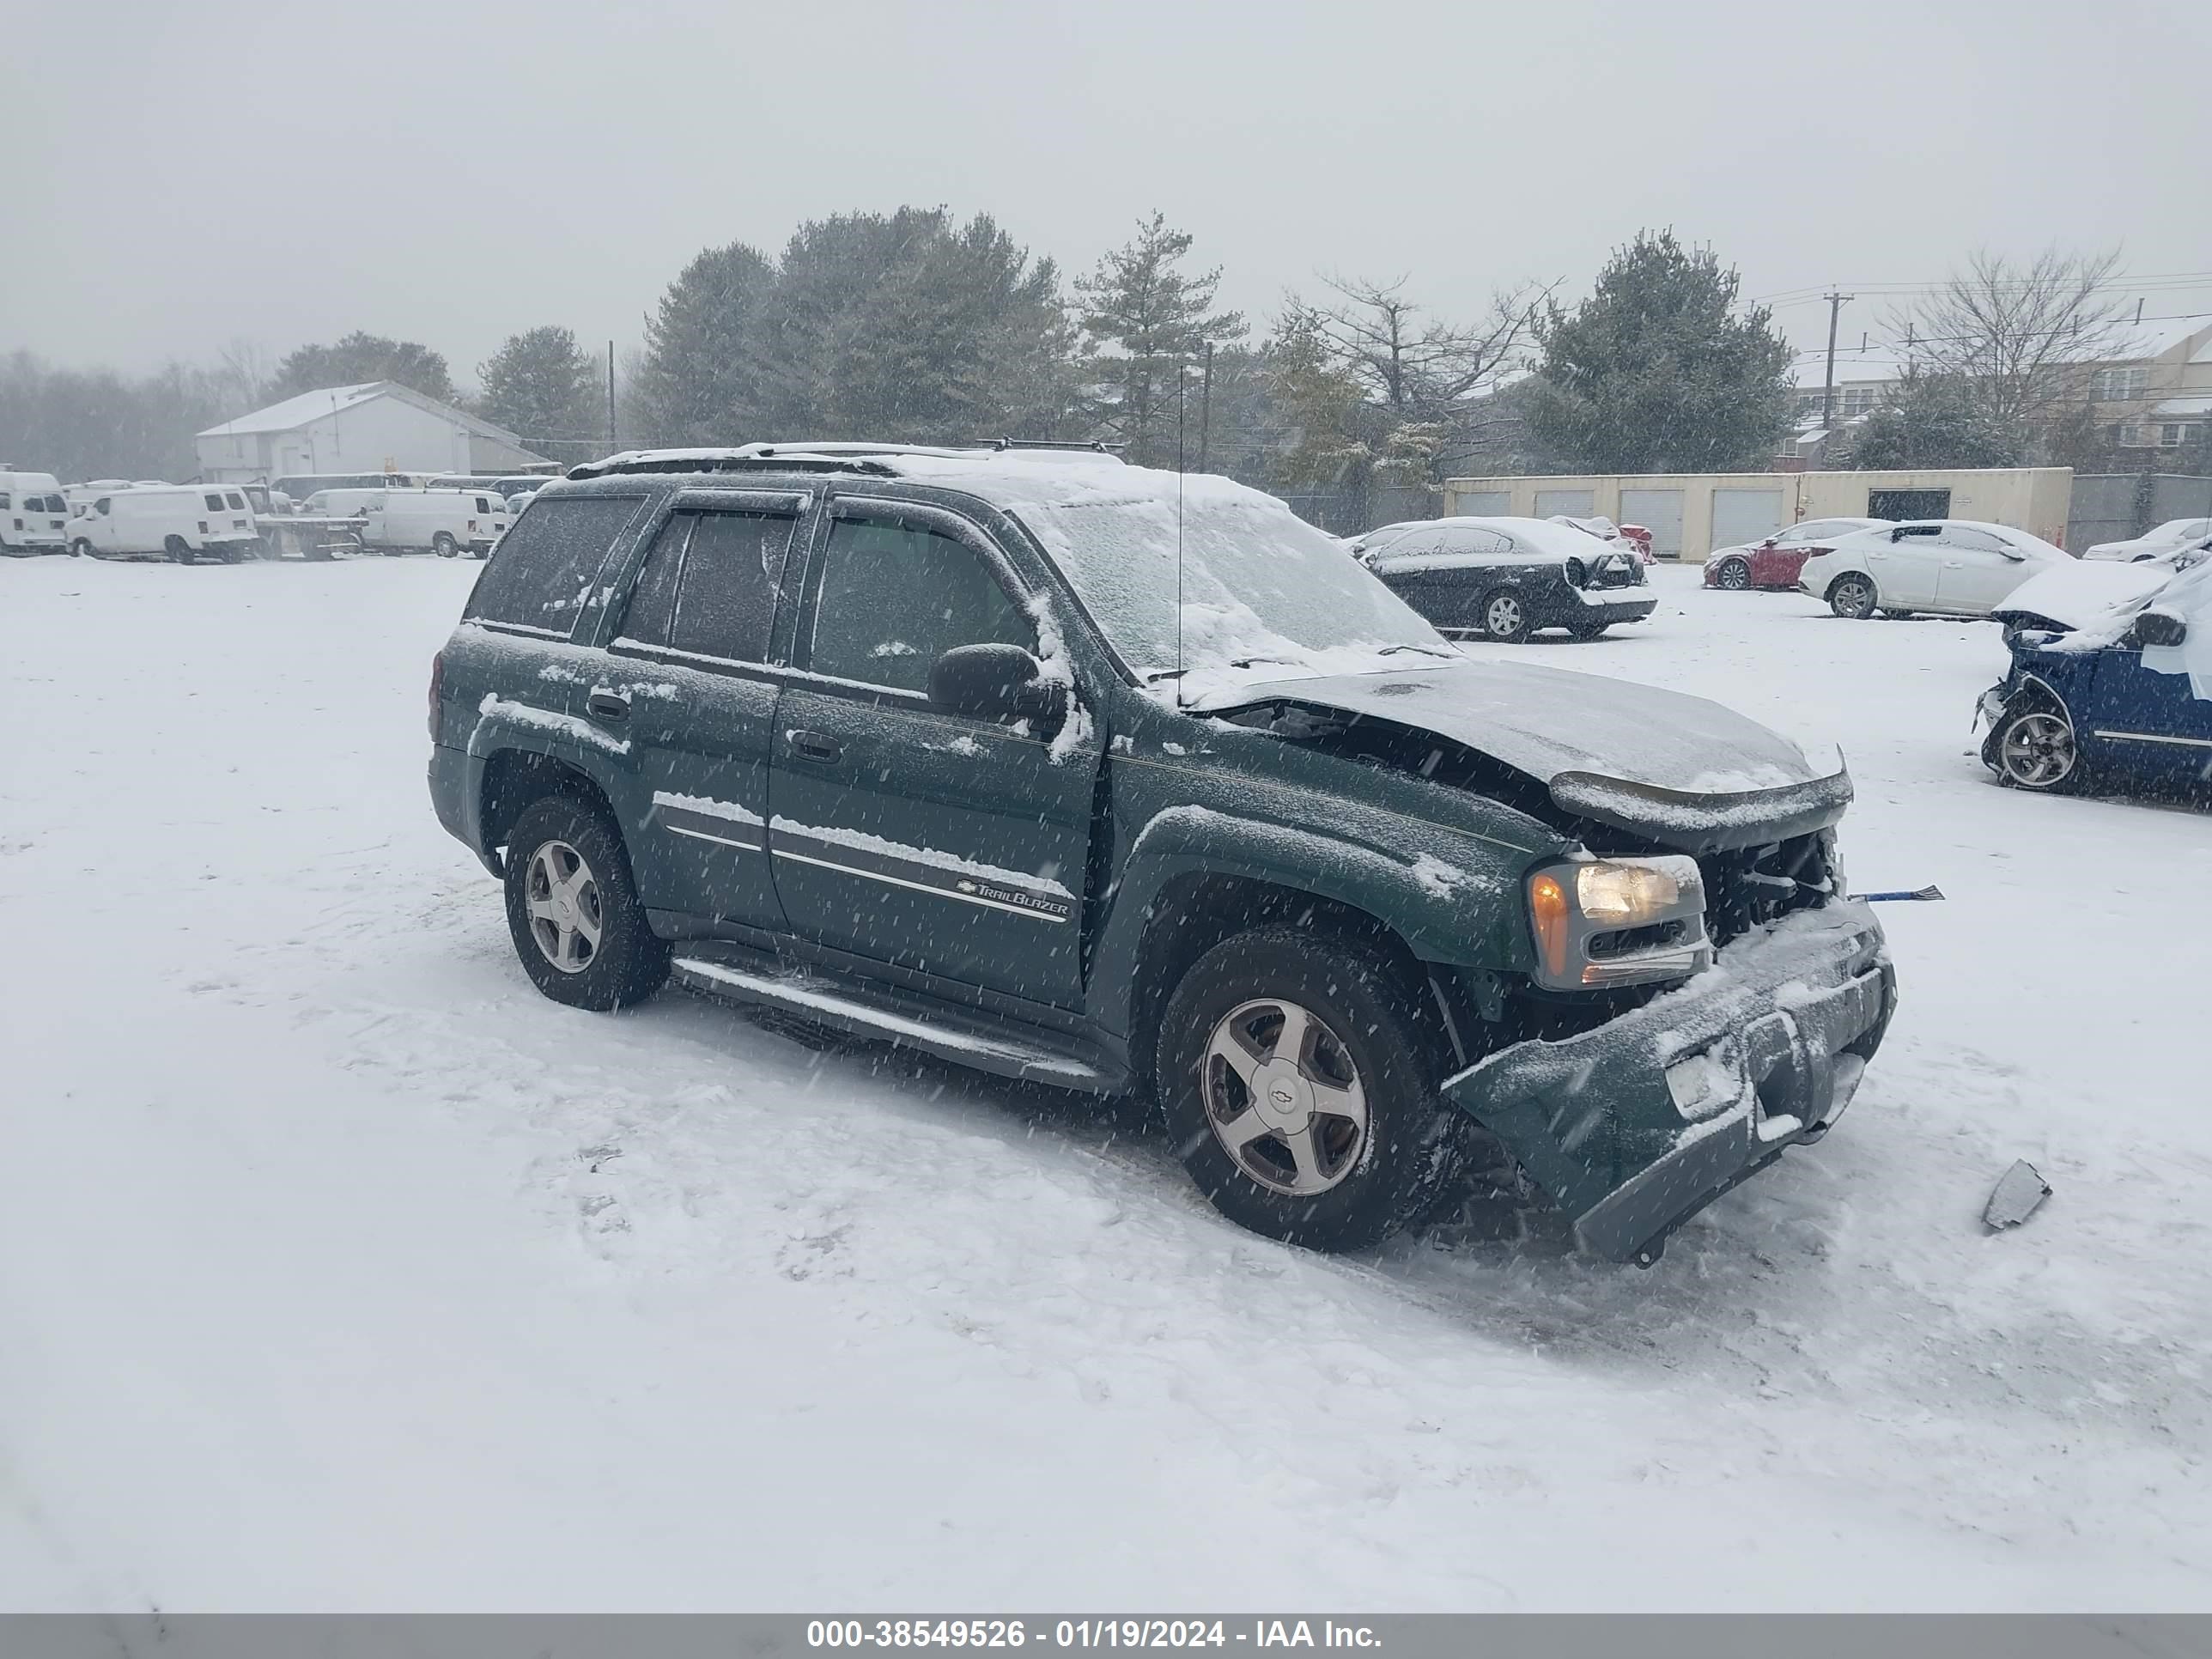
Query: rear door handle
[[608, 705], [814, 745]]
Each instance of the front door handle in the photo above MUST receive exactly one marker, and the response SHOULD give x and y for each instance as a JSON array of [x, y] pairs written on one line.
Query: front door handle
[[609, 706], [814, 746]]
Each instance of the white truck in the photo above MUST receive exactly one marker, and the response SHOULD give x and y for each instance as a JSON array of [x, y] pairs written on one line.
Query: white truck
[[33, 513], [440, 521], [180, 522]]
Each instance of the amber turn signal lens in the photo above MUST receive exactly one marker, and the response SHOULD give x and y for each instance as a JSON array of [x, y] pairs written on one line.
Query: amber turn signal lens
[[1547, 904]]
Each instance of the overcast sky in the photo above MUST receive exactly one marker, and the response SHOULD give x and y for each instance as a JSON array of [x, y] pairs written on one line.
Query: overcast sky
[[189, 175]]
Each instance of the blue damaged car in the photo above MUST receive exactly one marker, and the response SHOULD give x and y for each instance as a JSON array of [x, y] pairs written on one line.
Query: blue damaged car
[[2108, 689]]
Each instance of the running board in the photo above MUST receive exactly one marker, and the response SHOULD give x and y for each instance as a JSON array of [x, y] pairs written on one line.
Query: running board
[[986, 1046]]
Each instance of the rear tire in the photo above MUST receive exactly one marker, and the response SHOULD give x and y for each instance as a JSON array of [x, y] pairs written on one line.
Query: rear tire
[[572, 909], [1339, 1144], [1503, 617], [1853, 598], [1734, 574]]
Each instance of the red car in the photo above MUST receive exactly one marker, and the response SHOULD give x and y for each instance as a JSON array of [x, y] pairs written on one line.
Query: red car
[[1776, 561]]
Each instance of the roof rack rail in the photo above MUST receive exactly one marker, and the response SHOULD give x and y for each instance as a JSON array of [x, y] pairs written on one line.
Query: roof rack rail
[[1092, 446]]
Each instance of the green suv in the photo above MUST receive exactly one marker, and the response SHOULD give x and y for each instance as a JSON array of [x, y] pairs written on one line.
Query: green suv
[[1134, 782]]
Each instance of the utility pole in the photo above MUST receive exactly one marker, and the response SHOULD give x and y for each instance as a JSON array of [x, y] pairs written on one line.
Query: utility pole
[[1836, 302], [1205, 407]]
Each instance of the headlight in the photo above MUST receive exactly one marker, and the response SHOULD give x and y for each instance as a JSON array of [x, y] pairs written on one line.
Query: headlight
[[1618, 921], [1630, 895]]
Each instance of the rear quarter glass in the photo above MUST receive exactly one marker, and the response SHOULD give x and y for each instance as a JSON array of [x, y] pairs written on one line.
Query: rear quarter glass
[[548, 564]]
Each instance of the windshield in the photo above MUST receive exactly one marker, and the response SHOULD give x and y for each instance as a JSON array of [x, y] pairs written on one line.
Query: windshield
[[1265, 596]]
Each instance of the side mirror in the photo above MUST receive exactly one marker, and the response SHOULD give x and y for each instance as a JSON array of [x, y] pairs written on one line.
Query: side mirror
[[2160, 628], [996, 682]]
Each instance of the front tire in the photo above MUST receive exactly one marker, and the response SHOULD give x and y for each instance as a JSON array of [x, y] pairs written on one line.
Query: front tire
[[444, 545], [81, 549], [178, 552], [1853, 598], [572, 909], [2034, 749], [1734, 574], [1300, 1080], [1504, 617]]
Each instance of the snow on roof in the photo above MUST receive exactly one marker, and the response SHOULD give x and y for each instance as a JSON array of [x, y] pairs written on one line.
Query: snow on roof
[[295, 412], [311, 406]]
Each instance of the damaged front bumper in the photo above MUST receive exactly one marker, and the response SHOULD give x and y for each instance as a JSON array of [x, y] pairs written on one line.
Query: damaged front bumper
[[1635, 1127]]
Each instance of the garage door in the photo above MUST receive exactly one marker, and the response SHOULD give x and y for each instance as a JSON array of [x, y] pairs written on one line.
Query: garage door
[[1575, 503], [1660, 512], [1746, 515], [1482, 503]]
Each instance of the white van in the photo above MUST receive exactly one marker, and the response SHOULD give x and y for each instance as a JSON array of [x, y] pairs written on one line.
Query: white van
[[339, 503], [442, 521], [33, 513], [177, 521]]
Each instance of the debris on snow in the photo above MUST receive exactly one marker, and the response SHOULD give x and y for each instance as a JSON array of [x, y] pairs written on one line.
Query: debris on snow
[[2017, 1195]]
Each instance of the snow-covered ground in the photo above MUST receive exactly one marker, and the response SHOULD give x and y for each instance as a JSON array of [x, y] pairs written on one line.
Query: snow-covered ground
[[340, 1270]]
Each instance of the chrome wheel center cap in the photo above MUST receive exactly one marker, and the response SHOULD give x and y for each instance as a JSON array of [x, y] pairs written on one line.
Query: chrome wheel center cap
[[1282, 1097]]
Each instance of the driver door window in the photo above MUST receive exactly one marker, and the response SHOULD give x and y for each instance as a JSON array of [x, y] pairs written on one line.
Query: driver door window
[[891, 599]]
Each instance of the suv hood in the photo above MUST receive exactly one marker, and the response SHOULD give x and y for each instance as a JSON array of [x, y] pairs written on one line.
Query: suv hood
[[1680, 769]]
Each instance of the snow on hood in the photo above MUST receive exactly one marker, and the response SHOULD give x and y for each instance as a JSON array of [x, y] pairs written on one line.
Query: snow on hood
[[2081, 594], [2185, 592], [1551, 722]]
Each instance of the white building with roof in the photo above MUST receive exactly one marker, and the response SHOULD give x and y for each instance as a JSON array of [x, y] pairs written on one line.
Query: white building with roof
[[377, 427]]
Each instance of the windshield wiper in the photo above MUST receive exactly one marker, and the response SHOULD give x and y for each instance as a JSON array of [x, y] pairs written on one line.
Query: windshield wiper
[[1425, 650]]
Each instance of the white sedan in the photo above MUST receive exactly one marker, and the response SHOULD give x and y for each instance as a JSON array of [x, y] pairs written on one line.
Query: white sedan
[[1944, 566], [2174, 533]]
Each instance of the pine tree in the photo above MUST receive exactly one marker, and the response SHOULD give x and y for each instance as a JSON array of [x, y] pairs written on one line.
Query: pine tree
[[698, 383], [543, 387], [1658, 371], [1934, 420], [1149, 317], [905, 327]]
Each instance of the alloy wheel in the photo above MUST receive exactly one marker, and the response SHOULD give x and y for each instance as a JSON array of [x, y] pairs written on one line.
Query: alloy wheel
[[1502, 615], [1735, 574], [1283, 1097], [563, 898], [2037, 751]]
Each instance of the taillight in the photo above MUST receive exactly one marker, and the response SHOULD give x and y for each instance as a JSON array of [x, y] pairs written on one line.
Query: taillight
[[437, 691]]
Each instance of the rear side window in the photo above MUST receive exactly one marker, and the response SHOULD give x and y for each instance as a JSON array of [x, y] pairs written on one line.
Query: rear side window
[[653, 599], [709, 585], [544, 569]]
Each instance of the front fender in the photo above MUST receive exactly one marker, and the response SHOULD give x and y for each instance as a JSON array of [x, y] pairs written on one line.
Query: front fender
[[1453, 901]]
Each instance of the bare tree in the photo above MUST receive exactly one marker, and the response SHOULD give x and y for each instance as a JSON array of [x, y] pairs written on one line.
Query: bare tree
[[1430, 379], [2018, 339]]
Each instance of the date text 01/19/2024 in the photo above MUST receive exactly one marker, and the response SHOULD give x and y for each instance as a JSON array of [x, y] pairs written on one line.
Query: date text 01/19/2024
[[1086, 1633]]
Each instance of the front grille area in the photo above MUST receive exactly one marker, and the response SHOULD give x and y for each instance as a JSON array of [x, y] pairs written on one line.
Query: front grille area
[[1747, 887]]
